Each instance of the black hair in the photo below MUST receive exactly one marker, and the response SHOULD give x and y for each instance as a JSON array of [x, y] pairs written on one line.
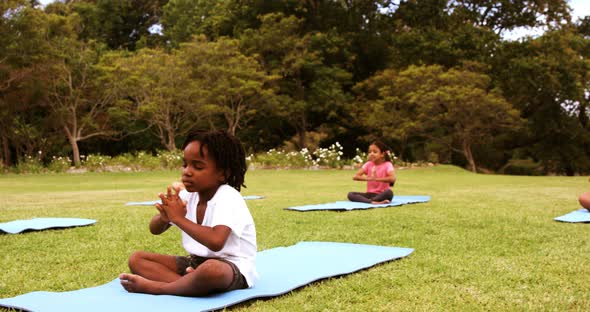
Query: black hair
[[385, 150], [226, 150]]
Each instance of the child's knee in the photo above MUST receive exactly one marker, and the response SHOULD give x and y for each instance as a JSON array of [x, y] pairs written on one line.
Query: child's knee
[[212, 269], [584, 200], [390, 194], [135, 259], [350, 196]]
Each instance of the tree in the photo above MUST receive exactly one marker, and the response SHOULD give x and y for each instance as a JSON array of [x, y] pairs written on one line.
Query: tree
[[182, 19], [582, 31], [79, 106], [501, 15], [156, 87], [24, 45], [230, 83], [309, 83], [120, 24], [452, 107], [214, 19], [547, 79], [367, 26]]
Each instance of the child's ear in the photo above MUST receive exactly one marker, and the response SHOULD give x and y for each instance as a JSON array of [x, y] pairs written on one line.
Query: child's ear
[[223, 176]]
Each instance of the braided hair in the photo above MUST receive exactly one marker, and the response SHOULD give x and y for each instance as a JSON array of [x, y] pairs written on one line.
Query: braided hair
[[226, 150]]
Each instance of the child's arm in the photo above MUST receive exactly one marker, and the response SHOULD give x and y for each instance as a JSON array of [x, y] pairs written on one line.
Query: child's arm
[[213, 238], [389, 178], [159, 224], [360, 175]]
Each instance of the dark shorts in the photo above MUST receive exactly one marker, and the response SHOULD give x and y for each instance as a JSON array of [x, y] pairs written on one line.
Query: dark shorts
[[183, 262]]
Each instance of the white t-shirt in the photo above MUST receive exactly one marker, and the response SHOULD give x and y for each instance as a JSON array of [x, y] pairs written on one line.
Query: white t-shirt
[[227, 207]]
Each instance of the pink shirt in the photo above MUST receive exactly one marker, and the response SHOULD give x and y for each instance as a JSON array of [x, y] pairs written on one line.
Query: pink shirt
[[380, 171]]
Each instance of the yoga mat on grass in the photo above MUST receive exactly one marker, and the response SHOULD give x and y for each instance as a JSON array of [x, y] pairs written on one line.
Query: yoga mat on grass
[[580, 215], [398, 200], [280, 270], [37, 224], [153, 202]]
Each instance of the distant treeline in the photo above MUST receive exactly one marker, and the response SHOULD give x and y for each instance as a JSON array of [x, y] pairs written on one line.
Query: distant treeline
[[436, 80]]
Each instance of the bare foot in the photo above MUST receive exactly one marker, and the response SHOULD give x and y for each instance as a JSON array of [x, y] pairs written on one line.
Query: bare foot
[[138, 284], [385, 201]]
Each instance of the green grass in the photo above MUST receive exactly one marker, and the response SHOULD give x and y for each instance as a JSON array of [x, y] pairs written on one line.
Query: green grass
[[483, 242]]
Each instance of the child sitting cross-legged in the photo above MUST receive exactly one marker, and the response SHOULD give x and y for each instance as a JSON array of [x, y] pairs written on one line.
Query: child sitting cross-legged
[[217, 228]]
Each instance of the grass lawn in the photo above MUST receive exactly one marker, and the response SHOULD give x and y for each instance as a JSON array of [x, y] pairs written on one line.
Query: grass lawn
[[483, 242]]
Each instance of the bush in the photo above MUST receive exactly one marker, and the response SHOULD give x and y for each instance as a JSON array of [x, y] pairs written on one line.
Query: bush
[[59, 164], [96, 163], [330, 157], [359, 159], [281, 159], [170, 160], [522, 167], [145, 161], [29, 164]]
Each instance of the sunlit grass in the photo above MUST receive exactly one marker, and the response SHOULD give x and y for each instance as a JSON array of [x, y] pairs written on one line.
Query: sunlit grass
[[483, 242]]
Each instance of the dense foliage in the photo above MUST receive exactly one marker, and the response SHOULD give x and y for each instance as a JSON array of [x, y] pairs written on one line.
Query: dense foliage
[[437, 80]]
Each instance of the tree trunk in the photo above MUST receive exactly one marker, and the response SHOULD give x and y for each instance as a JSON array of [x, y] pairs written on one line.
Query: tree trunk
[[171, 145], [232, 124], [5, 151], [302, 126], [301, 138], [75, 150], [582, 117], [76, 153], [469, 156]]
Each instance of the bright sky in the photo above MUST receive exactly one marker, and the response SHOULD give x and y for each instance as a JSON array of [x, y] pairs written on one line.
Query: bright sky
[[580, 8]]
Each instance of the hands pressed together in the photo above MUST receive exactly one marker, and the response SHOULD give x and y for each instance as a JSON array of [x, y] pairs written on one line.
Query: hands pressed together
[[172, 207]]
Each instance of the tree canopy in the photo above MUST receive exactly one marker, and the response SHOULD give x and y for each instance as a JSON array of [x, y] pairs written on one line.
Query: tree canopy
[[435, 79]]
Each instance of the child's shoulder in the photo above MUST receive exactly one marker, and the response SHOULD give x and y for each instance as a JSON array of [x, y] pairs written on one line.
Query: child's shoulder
[[226, 188], [227, 191], [386, 164]]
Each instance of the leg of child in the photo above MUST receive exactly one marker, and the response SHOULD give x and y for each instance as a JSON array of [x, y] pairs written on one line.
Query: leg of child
[[209, 277], [359, 197], [585, 200], [154, 266], [384, 197]]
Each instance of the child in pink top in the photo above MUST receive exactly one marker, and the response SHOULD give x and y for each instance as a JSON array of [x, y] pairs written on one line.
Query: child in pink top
[[585, 200], [379, 174]]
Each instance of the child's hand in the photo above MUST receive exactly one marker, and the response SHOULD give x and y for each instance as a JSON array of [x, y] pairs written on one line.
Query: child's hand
[[172, 207], [163, 217]]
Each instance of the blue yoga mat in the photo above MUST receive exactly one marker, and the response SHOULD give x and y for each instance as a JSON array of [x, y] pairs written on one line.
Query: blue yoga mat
[[38, 224], [153, 202], [281, 270], [580, 215], [398, 200]]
